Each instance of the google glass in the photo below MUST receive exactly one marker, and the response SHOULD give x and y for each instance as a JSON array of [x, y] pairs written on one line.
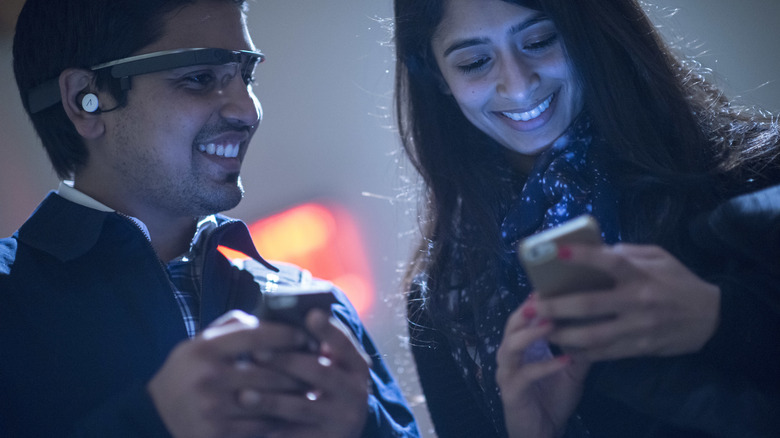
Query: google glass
[[47, 94]]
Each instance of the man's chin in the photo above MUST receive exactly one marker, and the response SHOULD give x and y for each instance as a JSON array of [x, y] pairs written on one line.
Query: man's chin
[[227, 198]]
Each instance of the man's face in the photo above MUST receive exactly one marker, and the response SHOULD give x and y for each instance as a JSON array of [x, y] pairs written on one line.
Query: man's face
[[175, 150]]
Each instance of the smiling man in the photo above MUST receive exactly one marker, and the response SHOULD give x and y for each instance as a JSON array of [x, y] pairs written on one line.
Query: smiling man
[[119, 317]]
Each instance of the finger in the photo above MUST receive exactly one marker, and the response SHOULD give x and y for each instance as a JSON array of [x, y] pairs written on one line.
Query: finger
[[282, 407], [337, 342], [523, 316], [235, 338], [514, 344], [639, 251], [249, 427], [235, 315], [582, 305], [322, 376], [621, 337], [231, 321], [263, 378], [517, 380]]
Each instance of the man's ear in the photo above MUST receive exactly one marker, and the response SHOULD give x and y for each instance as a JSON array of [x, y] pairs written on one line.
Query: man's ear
[[74, 83]]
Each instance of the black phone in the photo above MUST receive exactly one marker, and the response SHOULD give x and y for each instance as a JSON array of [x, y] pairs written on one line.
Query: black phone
[[291, 306]]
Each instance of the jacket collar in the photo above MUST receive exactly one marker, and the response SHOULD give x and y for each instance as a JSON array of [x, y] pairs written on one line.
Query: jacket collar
[[67, 230]]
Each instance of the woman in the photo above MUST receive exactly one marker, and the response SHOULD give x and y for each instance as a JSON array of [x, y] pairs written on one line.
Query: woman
[[520, 115]]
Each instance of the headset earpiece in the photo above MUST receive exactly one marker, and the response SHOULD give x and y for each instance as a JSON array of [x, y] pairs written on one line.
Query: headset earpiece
[[89, 102]]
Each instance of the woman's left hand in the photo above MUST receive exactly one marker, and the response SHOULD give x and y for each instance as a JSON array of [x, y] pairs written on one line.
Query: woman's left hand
[[657, 307], [539, 393]]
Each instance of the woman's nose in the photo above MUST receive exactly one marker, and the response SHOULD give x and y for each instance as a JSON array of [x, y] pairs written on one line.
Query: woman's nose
[[518, 79]]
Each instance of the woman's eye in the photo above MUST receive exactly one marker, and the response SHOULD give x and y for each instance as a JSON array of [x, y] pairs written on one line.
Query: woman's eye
[[474, 66], [542, 43]]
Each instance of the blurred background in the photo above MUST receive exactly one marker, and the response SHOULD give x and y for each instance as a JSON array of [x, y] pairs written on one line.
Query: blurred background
[[326, 185]]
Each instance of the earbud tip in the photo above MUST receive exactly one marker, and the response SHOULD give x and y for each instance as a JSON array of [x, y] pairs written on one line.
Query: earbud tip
[[89, 103]]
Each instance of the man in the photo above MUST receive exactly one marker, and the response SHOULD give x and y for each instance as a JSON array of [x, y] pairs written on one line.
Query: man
[[118, 315]]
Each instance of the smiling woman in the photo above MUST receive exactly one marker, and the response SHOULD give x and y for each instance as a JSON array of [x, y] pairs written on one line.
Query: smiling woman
[[505, 66], [521, 115]]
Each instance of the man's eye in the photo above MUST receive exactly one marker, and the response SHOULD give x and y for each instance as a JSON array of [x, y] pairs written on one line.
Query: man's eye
[[201, 79]]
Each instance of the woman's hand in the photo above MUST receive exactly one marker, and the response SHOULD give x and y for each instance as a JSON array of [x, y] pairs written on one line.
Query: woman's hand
[[539, 392], [657, 307]]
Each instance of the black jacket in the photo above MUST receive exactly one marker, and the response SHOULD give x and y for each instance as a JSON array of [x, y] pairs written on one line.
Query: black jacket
[[88, 316]]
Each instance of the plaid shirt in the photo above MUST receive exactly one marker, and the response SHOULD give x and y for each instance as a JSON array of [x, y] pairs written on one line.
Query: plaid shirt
[[185, 279], [185, 275]]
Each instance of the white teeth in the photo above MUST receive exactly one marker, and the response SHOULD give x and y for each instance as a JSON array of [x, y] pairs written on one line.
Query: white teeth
[[222, 150], [532, 114]]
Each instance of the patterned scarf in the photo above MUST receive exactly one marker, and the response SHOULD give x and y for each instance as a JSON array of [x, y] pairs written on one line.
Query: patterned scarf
[[567, 180]]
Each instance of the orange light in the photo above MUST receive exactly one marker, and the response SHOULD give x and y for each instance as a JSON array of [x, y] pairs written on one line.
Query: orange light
[[231, 254], [323, 239]]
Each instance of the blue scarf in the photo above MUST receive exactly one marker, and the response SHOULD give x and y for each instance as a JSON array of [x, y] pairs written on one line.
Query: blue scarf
[[567, 180]]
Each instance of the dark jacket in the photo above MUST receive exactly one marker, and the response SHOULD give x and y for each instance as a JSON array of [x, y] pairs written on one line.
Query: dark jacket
[[731, 388], [88, 316]]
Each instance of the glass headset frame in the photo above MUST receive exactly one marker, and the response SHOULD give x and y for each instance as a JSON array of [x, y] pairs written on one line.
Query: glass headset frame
[[47, 94]]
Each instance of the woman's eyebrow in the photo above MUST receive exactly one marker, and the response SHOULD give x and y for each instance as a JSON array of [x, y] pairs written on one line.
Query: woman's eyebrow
[[519, 27], [536, 18]]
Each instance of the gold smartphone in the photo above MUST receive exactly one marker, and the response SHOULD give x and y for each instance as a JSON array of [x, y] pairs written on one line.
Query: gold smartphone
[[549, 276]]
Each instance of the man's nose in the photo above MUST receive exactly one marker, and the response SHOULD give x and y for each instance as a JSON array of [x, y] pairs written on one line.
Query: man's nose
[[240, 107]]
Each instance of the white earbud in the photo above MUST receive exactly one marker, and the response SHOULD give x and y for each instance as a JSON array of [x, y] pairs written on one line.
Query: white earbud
[[89, 102]]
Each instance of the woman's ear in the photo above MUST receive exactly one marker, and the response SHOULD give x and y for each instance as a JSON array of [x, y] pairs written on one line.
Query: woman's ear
[[74, 85]]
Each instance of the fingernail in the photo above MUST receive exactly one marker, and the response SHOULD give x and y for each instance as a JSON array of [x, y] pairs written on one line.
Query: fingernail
[[529, 311], [249, 397], [564, 252], [565, 359]]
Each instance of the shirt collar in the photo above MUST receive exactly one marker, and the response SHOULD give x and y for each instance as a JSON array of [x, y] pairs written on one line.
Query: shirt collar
[[72, 194]]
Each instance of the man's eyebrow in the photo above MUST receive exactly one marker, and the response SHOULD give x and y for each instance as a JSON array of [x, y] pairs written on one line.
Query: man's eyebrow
[[519, 27]]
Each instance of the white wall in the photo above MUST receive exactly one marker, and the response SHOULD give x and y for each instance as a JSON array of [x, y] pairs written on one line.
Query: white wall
[[326, 90]]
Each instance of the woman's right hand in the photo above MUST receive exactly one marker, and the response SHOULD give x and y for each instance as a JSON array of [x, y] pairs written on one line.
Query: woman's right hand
[[539, 395]]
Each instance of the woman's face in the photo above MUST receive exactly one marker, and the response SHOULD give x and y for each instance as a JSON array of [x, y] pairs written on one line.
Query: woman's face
[[506, 67]]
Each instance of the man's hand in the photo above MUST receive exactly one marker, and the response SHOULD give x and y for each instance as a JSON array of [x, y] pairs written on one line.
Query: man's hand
[[335, 403], [198, 390]]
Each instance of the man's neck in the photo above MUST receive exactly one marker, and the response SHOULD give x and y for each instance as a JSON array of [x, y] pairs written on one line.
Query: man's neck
[[170, 236]]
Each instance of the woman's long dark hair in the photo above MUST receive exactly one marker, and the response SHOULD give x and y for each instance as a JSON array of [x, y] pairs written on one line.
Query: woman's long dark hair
[[677, 144]]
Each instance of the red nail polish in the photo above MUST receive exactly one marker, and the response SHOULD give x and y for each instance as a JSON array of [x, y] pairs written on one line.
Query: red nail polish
[[564, 252], [529, 311]]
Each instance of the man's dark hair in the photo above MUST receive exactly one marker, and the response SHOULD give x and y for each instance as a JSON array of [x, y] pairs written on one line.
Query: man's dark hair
[[52, 36]]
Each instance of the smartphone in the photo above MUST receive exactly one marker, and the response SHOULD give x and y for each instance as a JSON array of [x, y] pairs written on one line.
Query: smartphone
[[551, 277], [291, 306]]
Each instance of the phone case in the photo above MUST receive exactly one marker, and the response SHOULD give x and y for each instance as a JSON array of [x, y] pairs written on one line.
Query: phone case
[[549, 276], [291, 307]]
